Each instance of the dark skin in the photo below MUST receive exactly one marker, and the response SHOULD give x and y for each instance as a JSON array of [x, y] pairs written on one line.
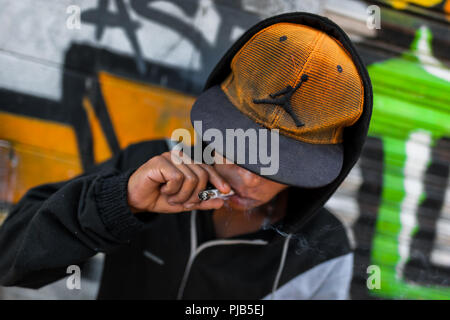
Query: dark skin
[[253, 195], [168, 183]]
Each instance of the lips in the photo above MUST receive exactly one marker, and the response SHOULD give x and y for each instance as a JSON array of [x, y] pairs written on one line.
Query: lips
[[242, 201], [238, 193]]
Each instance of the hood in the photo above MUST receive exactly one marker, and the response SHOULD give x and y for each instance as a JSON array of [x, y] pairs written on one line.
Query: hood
[[303, 203]]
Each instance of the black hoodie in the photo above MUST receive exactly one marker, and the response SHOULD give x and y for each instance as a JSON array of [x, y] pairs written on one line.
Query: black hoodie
[[162, 256]]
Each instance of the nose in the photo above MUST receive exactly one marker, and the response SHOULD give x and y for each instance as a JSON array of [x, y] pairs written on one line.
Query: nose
[[249, 179]]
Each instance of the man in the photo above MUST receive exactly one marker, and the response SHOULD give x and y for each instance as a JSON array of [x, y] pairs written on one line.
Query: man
[[296, 73]]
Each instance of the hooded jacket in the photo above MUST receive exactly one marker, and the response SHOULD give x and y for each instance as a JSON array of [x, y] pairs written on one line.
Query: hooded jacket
[[178, 256]]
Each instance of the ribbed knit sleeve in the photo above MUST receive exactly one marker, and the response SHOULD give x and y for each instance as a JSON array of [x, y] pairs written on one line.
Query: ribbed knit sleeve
[[111, 198]]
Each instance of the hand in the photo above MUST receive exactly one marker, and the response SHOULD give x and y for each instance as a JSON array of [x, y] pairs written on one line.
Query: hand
[[170, 183]]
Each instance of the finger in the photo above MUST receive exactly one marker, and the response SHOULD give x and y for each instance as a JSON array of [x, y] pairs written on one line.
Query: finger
[[207, 205], [216, 179], [200, 169], [204, 205], [166, 207], [203, 177], [189, 185], [172, 177]]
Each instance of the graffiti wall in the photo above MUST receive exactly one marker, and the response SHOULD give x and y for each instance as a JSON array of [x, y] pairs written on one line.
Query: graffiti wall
[[81, 80]]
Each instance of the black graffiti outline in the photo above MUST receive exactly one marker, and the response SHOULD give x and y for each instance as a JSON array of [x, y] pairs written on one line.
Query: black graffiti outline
[[102, 18], [420, 268]]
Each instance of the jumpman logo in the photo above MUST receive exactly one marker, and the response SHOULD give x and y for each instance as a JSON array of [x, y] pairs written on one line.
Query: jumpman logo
[[285, 100]]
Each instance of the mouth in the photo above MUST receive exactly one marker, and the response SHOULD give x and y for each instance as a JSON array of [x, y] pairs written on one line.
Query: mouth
[[241, 200]]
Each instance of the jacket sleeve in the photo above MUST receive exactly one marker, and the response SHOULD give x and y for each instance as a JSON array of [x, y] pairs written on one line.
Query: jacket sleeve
[[329, 280], [61, 224], [336, 284]]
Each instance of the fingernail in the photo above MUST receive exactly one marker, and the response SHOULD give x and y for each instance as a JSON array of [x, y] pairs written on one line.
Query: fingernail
[[188, 205]]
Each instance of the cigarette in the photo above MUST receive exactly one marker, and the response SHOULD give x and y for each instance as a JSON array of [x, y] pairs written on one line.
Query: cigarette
[[213, 194]]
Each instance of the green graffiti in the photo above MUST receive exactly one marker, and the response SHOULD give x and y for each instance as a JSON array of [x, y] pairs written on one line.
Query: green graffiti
[[411, 111]]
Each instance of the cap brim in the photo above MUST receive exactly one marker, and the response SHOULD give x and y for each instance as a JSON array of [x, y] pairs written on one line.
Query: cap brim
[[300, 164]]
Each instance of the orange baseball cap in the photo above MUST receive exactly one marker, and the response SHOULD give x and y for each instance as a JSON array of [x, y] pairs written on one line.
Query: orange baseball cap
[[299, 75]]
